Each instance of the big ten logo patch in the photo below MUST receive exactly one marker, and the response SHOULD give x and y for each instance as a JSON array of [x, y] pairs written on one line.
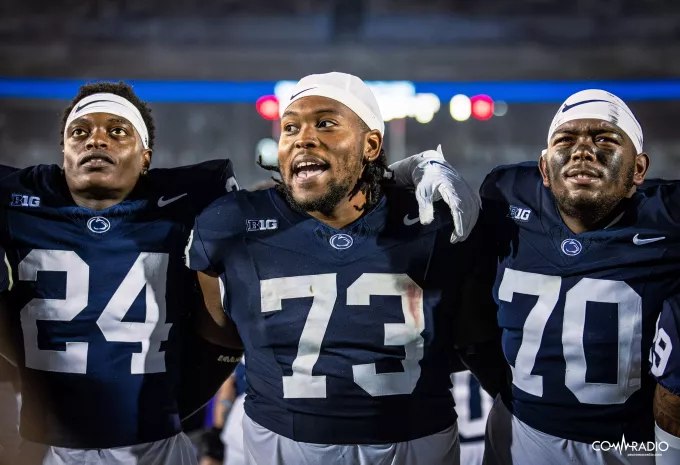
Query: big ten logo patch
[[262, 225], [519, 214], [21, 200]]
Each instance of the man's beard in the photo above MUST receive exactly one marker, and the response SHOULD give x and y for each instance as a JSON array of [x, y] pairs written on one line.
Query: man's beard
[[337, 192], [592, 211]]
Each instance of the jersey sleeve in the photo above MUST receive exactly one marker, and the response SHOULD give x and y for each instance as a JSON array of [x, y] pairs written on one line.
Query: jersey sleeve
[[215, 228], [465, 272], [219, 179], [663, 206], [664, 355], [203, 182], [477, 320], [477, 317], [494, 216]]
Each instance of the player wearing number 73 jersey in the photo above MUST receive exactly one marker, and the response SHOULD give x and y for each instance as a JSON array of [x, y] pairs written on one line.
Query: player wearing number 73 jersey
[[585, 265], [348, 307]]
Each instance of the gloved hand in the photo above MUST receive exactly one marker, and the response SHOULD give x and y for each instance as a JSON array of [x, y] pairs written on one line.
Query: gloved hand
[[434, 179]]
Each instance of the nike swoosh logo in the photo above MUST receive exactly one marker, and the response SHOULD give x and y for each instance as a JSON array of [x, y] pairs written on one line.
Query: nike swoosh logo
[[638, 241], [433, 162], [90, 103], [408, 221], [293, 96], [163, 202], [569, 107]]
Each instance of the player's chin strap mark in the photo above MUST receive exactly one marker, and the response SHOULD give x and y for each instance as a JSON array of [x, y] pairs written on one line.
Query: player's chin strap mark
[[114, 104]]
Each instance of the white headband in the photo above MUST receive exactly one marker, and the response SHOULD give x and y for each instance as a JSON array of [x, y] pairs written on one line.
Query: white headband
[[599, 104], [344, 88], [115, 105]]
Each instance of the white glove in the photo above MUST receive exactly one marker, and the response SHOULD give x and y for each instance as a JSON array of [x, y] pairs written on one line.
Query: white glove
[[434, 179]]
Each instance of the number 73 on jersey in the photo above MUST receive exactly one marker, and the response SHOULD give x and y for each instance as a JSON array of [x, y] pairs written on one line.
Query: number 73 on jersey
[[324, 292]]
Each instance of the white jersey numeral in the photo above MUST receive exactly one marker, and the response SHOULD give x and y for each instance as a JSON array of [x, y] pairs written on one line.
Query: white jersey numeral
[[547, 288], [473, 405], [662, 348], [149, 271], [73, 359], [302, 384], [323, 290], [629, 321], [407, 334]]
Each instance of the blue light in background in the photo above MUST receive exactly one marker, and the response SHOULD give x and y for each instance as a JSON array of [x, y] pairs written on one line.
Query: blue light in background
[[152, 91], [249, 92], [553, 91]]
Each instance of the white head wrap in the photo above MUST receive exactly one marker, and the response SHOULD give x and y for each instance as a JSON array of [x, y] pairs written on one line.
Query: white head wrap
[[599, 104], [113, 104], [344, 88]]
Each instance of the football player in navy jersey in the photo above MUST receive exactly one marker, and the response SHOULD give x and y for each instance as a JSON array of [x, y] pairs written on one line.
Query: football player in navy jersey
[[665, 359], [585, 263], [343, 299], [99, 300]]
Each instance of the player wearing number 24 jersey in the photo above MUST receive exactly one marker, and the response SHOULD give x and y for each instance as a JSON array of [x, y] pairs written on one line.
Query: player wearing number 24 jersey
[[349, 309], [98, 296], [100, 302], [585, 264]]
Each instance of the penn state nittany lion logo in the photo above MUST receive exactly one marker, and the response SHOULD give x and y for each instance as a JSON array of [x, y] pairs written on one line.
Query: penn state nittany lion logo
[[341, 241], [571, 247], [98, 224]]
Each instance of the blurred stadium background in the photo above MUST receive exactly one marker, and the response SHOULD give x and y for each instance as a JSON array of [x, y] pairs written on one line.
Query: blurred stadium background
[[483, 78], [204, 66]]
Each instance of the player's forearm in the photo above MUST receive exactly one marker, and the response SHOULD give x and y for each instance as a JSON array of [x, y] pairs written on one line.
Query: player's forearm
[[210, 322], [212, 297], [667, 410], [224, 336], [223, 402]]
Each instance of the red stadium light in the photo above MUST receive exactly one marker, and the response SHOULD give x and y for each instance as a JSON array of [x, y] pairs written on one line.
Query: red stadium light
[[268, 107], [482, 107]]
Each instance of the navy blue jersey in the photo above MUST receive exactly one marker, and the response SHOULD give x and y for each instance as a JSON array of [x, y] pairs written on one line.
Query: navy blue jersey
[[578, 310], [348, 333], [665, 353], [100, 301]]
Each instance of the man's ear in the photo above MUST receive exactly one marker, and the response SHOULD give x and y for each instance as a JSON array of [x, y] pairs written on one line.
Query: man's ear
[[543, 168], [372, 145], [146, 160]]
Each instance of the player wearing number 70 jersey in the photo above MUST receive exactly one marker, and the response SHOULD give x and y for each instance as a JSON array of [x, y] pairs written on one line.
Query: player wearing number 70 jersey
[[586, 262], [348, 307]]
